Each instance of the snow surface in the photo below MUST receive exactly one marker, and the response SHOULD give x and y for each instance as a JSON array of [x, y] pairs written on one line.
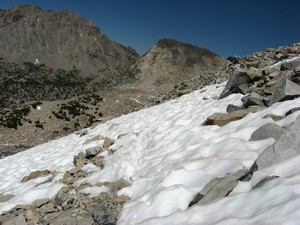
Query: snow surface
[[168, 156]]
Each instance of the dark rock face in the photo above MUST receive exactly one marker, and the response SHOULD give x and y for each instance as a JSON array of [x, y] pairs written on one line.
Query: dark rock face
[[61, 40]]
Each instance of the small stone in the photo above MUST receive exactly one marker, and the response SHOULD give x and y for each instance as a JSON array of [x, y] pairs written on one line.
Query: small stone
[[107, 142], [48, 208], [35, 174], [39, 202], [62, 197], [83, 132], [232, 108], [4, 198], [80, 160], [30, 213], [104, 215], [91, 152]]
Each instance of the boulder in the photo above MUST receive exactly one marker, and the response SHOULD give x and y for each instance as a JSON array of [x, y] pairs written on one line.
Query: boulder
[[19, 220], [270, 130], [103, 214], [218, 188], [62, 197], [222, 119], [80, 160], [290, 65], [285, 90], [238, 83], [91, 152], [253, 99], [285, 148], [231, 108]]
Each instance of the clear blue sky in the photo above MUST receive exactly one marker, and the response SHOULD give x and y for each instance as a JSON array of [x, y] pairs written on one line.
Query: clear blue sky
[[227, 27]]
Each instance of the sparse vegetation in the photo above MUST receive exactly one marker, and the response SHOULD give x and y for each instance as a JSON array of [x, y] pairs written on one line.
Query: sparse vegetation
[[12, 118]]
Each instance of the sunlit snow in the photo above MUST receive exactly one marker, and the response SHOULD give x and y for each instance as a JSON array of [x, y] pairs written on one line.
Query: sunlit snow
[[168, 156]]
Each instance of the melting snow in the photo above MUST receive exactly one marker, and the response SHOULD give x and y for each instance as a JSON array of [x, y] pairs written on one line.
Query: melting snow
[[168, 156]]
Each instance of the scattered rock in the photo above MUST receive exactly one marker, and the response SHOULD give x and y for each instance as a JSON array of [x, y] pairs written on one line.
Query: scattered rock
[[107, 142], [4, 198], [218, 188], [62, 197], [285, 90], [104, 214], [19, 220], [35, 174], [285, 148], [222, 119], [80, 160], [238, 83], [253, 99]]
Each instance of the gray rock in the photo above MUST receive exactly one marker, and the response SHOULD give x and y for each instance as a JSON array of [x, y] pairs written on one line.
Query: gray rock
[[47, 208], [107, 142], [290, 65], [270, 130], [285, 90], [62, 197], [103, 214], [35, 174], [253, 99], [287, 147], [218, 188], [91, 152], [4, 198], [79, 159], [19, 220], [238, 83], [231, 108]]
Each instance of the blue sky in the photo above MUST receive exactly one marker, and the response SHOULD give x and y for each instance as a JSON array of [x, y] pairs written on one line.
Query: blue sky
[[231, 27]]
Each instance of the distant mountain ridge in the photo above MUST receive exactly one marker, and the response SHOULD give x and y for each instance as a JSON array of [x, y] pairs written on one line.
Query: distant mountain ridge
[[61, 40], [170, 62]]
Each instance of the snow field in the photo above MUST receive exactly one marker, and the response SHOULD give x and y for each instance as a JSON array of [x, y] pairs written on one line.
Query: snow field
[[168, 156]]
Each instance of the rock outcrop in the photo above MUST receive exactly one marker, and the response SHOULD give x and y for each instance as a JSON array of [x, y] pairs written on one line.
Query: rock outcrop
[[61, 40], [170, 62]]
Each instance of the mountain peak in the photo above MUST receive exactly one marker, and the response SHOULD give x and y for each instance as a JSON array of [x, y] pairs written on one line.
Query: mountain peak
[[61, 39]]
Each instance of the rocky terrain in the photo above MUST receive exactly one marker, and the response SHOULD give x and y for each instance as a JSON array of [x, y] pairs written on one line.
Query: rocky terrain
[[61, 40], [264, 78], [170, 62], [43, 97], [99, 80]]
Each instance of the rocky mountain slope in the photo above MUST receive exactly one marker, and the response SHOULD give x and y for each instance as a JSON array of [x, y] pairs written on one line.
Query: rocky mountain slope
[[225, 154], [61, 40], [171, 62], [59, 61]]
